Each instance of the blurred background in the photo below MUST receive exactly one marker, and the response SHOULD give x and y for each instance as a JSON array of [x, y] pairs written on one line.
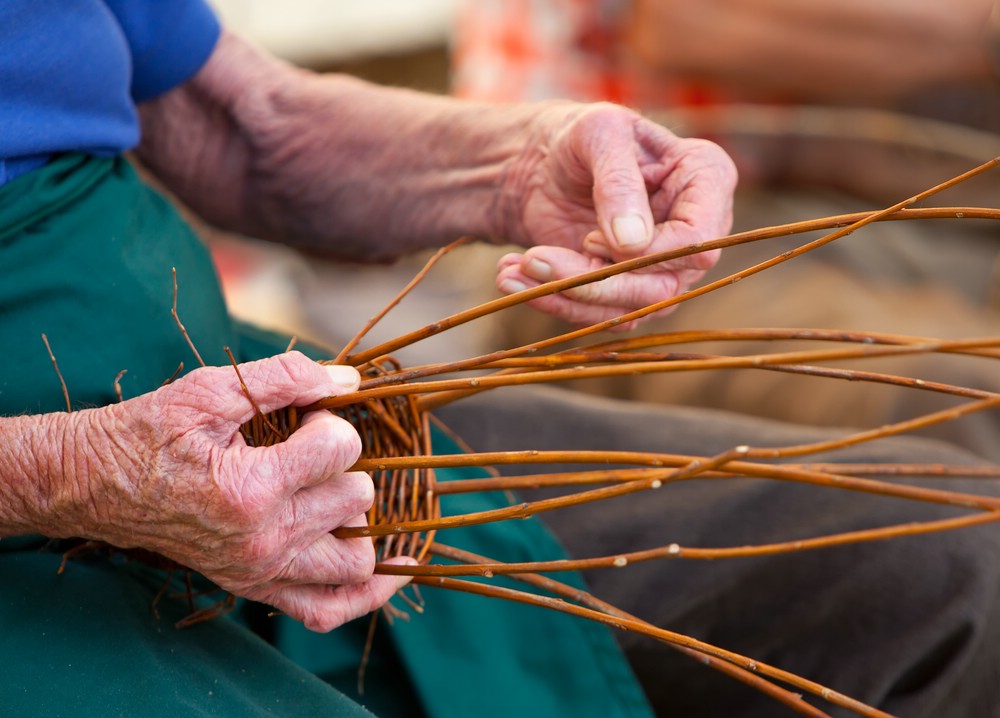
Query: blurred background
[[393, 42], [826, 108]]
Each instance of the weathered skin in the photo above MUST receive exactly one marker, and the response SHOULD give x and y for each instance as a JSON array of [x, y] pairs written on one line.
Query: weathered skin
[[351, 170]]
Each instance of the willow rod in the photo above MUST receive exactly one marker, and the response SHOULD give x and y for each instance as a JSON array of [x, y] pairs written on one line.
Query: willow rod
[[559, 285], [620, 350], [605, 476], [853, 222], [480, 383], [687, 467], [675, 551]]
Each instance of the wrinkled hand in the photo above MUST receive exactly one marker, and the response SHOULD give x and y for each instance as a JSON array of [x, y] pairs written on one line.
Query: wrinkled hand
[[599, 183], [169, 472]]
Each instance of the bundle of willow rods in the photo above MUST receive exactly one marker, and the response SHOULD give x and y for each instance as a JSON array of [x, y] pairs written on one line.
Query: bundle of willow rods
[[391, 411]]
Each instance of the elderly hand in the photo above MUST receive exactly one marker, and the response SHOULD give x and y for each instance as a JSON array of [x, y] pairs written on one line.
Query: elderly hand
[[366, 173], [169, 472], [598, 183]]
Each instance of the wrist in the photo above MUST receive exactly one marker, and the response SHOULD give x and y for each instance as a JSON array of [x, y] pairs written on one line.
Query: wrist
[[36, 474], [49, 470], [538, 133]]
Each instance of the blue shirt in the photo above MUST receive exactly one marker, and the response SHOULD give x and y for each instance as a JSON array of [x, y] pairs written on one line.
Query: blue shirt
[[72, 71]]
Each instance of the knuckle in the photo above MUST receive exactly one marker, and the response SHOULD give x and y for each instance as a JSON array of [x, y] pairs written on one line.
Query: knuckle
[[297, 367], [261, 549], [704, 260], [343, 442], [323, 624], [602, 113], [355, 495], [334, 445], [319, 621], [316, 619], [358, 561]]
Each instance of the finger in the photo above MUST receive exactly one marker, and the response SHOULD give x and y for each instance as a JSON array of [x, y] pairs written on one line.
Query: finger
[[339, 501], [332, 561], [323, 447], [595, 301], [691, 197], [292, 379], [607, 144], [322, 608], [512, 278], [597, 245], [629, 290], [666, 238], [688, 184], [579, 314], [569, 310]]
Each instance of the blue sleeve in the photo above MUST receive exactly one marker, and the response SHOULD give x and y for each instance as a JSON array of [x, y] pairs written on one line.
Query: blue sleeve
[[169, 41]]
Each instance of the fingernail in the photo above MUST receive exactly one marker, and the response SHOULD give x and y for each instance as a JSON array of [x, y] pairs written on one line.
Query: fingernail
[[343, 376], [629, 231], [512, 286], [537, 269]]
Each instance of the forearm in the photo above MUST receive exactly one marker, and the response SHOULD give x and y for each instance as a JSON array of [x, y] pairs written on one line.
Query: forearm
[[329, 163], [38, 460]]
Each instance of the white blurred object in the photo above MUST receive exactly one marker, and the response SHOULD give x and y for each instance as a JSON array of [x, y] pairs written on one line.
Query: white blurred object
[[316, 32]]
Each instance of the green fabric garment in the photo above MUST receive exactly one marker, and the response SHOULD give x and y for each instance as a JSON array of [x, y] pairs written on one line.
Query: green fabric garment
[[86, 643], [86, 252]]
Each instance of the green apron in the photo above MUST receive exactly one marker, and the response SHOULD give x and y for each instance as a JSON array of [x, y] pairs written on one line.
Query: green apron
[[86, 252]]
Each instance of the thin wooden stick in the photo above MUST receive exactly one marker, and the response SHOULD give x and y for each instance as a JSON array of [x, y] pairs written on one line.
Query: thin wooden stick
[[884, 431], [496, 305], [246, 392], [118, 384], [740, 334], [935, 471], [656, 365], [853, 221], [529, 508], [623, 350], [438, 399], [604, 476], [62, 382], [419, 277], [687, 467], [180, 325], [676, 551]]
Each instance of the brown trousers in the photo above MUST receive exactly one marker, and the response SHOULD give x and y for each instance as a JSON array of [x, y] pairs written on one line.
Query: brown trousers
[[911, 625]]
